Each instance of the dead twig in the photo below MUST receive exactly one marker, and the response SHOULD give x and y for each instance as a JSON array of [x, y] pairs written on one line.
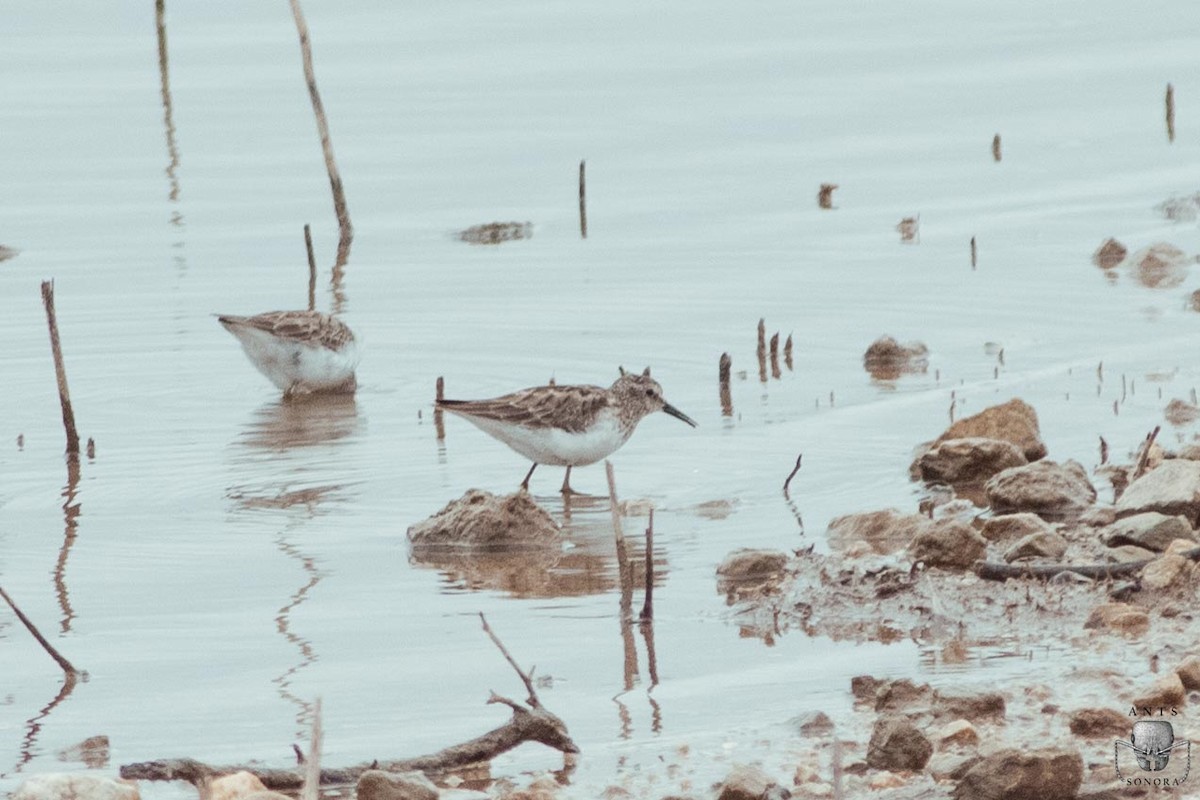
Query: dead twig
[[724, 366], [583, 199], [998, 572], [60, 372], [1170, 113], [345, 228], [647, 614], [791, 475], [1144, 456], [762, 350], [66, 665], [312, 268]]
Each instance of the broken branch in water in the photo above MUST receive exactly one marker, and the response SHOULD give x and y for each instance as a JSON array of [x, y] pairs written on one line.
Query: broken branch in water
[[532, 724], [583, 199], [791, 475], [312, 269], [762, 350], [647, 614], [1144, 456], [724, 366], [67, 666], [345, 229], [1170, 113], [999, 572], [60, 372]]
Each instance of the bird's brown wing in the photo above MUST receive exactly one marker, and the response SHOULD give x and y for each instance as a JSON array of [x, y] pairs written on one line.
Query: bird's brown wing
[[571, 408], [309, 327]]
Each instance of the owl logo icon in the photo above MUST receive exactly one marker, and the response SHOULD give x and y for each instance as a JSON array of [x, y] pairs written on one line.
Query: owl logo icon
[[1151, 745]]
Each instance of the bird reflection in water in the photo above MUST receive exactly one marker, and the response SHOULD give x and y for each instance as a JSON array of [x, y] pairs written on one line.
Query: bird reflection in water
[[303, 422]]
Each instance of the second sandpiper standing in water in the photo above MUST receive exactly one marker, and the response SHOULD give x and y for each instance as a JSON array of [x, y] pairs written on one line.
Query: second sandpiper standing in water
[[567, 426]]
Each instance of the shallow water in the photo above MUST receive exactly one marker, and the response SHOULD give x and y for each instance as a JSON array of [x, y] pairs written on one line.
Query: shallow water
[[225, 559]]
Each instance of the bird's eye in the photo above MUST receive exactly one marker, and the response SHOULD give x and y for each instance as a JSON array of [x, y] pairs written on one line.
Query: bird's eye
[[649, 393]]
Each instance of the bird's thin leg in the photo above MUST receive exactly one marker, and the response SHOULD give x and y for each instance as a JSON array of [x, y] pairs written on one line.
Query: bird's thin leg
[[528, 475], [566, 487]]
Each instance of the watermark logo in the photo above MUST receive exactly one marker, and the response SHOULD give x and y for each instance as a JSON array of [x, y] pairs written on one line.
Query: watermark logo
[[1146, 759]]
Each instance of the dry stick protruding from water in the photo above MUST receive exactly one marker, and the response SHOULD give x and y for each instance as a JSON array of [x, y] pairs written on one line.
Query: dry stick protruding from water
[[775, 373], [787, 353], [529, 723], [1103, 451], [825, 196], [583, 199], [724, 366], [996, 147], [345, 229], [66, 665], [1144, 455], [647, 614], [994, 571], [787, 483], [64, 395], [91, 448], [438, 421], [312, 268], [1170, 113], [164, 79], [762, 350], [974, 253]]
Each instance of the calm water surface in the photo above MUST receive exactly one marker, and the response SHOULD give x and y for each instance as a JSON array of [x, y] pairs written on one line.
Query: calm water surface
[[226, 559]]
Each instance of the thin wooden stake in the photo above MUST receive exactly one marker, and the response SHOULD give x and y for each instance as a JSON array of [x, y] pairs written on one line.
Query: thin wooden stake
[[345, 228], [64, 394], [647, 614], [438, 421], [724, 366], [787, 353], [996, 147], [775, 373], [583, 199], [312, 268], [1170, 113], [762, 350], [66, 666], [974, 253], [787, 483]]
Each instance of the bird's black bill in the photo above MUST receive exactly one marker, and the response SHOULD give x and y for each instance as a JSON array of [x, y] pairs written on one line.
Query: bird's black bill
[[677, 414]]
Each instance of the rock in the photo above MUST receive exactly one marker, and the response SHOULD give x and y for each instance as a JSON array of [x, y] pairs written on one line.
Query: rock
[[1149, 530], [1051, 774], [968, 461], [983, 705], [885, 531], [483, 520], [1109, 254], [748, 782], [897, 744], [1067, 577], [1127, 552], [1098, 516], [813, 723], [65, 786], [865, 687], [885, 780], [886, 359], [92, 751], [1120, 618], [1037, 545], [1190, 452], [1189, 673], [960, 509], [951, 766], [958, 732], [1160, 266], [1167, 691], [1099, 723], [901, 694], [375, 784], [1044, 488], [1172, 489], [1014, 421], [1179, 413], [1011, 527], [240, 786], [948, 543], [1165, 571], [752, 565]]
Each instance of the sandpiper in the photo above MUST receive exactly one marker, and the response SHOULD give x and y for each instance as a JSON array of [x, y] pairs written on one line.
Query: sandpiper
[[567, 426], [300, 351]]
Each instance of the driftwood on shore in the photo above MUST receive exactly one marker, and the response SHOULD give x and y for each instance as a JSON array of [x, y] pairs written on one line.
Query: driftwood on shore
[[998, 572], [529, 723]]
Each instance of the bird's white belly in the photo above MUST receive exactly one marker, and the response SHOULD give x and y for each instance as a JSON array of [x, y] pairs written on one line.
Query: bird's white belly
[[557, 447], [296, 366]]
